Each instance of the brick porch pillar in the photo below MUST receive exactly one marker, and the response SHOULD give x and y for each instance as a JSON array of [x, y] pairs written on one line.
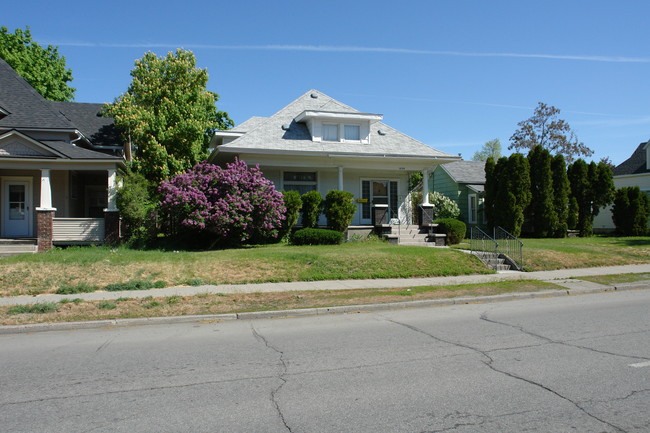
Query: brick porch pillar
[[44, 228]]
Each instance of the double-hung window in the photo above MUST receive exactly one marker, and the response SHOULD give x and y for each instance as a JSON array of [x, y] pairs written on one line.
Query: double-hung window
[[472, 208], [351, 132], [330, 132]]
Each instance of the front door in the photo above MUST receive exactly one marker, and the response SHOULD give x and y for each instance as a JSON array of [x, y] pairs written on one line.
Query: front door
[[378, 192], [16, 208]]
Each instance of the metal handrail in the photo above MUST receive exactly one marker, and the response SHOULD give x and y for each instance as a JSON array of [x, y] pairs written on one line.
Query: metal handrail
[[510, 246], [484, 247]]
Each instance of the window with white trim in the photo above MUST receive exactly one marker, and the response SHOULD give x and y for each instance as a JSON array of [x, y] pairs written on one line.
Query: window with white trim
[[301, 181], [472, 209], [330, 132], [352, 132]]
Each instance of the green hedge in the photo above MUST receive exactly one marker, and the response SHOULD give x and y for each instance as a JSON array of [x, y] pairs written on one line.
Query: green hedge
[[339, 209], [310, 236], [453, 228], [312, 205]]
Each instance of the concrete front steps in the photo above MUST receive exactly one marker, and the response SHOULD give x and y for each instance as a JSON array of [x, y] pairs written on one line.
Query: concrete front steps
[[495, 261], [9, 247], [413, 235]]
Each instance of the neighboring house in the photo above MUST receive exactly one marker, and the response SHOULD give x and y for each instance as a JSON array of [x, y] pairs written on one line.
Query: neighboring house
[[318, 143], [58, 162], [464, 183], [634, 171]]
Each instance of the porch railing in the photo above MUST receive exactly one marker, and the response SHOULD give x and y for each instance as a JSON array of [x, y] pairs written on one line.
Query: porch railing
[[78, 230]]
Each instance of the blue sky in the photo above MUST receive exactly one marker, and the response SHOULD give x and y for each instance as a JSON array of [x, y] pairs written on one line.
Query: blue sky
[[453, 74]]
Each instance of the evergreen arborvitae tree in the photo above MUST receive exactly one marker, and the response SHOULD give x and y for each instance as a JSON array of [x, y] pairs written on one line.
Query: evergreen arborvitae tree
[[561, 193], [500, 194], [490, 190], [578, 174], [519, 186], [631, 211], [572, 214], [541, 214], [601, 180]]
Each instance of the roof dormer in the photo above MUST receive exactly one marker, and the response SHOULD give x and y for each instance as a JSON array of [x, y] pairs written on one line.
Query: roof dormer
[[342, 127]]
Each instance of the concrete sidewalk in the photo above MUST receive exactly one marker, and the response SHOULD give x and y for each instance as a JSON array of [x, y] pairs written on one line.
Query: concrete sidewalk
[[568, 278]]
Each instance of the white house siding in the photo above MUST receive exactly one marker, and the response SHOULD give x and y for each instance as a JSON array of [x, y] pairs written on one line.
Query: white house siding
[[603, 221], [327, 180]]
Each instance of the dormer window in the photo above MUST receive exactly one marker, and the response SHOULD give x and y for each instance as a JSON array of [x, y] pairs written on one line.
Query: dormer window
[[352, 132], [334, 126], [330, 132]]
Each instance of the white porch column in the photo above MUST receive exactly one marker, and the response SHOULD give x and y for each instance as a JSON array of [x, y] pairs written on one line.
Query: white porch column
[[425, 187], [112, 190], [340, 178], [46, 190]]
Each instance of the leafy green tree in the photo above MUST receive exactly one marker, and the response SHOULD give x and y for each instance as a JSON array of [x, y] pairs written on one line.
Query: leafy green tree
[[443, 206], [541, 213], [545, 129], [137, 208], [491, 149], [561, 191], [43, 68], [631, 211], [168, 114]]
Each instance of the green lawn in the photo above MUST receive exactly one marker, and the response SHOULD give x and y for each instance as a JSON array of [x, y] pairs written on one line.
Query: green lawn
[[67, 269]]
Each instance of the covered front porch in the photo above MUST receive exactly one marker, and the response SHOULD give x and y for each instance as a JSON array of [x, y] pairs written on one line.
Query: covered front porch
[[62, 204]]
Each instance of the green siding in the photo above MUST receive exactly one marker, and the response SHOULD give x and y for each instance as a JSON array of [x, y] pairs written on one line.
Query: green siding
[[441, 182]]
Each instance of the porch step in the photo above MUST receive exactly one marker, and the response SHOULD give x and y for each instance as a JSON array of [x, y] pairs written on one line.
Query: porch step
[[9, 247], [494, 261]]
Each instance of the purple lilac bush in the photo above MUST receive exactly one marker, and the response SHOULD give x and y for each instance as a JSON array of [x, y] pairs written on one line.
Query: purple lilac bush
[[236, 203]]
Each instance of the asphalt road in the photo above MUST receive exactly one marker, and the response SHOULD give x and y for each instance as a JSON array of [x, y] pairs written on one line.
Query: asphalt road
[[575, 363]]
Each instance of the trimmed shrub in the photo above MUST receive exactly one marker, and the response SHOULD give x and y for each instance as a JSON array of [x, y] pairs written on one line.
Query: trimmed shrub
[[312, 205], [339, 209], [309, 236], [293, 205], [453, 228], [137, 209]]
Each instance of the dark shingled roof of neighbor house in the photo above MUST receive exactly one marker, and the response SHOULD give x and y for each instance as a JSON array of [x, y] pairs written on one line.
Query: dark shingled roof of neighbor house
[[635, 164]]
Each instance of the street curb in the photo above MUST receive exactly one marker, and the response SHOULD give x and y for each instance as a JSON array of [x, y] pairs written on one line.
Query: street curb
[[319, 311]]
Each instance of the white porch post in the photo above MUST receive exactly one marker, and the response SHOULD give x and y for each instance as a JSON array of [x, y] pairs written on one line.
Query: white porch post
[[112, 190], [46, 190], [340, 178], [425, 187]]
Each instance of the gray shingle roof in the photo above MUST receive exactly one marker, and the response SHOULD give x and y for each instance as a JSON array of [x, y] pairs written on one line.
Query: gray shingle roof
[[635, 164], [466, 172], [27, 108], [266, 134], [101, 131], [75, 152]]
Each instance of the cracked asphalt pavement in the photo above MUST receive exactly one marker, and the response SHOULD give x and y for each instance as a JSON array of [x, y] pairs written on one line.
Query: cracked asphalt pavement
[[575, 363]]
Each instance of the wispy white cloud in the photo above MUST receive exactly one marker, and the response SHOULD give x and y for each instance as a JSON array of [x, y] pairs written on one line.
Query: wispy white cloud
[[617, 122], [355, 49]]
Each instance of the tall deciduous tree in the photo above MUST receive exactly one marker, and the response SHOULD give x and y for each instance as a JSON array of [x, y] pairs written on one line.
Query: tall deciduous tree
[[491, 149], [168, 114], [43, 68], [544, 128]]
